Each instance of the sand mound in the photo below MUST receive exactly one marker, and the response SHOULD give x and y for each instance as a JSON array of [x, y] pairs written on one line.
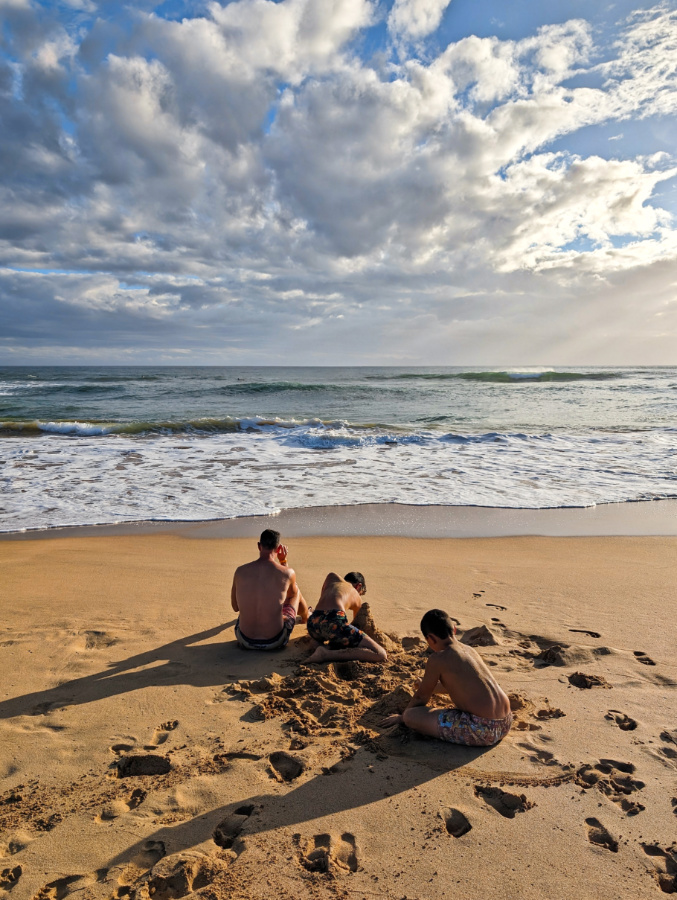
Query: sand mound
[[364, 620], [481, 636]]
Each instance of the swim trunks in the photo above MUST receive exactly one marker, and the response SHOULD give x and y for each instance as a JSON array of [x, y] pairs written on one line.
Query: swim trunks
[[275, 643], [332, 626], [458, 727]]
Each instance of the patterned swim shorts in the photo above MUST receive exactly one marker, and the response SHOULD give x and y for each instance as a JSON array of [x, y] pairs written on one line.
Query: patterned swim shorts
[[458, 727], [332, 626]]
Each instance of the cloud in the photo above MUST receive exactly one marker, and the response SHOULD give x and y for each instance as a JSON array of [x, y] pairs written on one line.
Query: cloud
[[416, 18], [226, 178]]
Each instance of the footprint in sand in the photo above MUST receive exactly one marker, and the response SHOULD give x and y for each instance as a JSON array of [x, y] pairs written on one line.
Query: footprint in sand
[[674, 805], [592, 634], [641, 657], [503, 802], [495, 605], [455, 822], [284, 766], [98, 640], [613, 779], [162, 733], [150, 854], [10, 876], [544, 757], [323, 853], [624, 722], [229, 829], [180, 875], [148, 764], [581, 680], [600, 836], [118, 808], [56, 890], [665, 862], [550, 712], [498, 622]]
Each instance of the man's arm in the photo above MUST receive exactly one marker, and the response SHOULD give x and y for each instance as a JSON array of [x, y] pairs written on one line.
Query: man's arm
[[233, 595]]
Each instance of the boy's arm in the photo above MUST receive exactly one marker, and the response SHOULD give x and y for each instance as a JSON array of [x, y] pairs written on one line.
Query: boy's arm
[[233, 596], [426, 686], [423, 692]]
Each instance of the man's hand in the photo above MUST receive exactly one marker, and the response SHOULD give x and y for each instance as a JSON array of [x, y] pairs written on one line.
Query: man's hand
[[282, 554], [392, 720]]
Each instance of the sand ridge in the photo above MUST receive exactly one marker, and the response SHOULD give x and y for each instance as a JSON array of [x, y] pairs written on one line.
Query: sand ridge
[[157, 761]]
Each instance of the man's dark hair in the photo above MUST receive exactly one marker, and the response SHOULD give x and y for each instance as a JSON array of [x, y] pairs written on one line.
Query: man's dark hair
[[437, 622], [270, 540], [356, 578]]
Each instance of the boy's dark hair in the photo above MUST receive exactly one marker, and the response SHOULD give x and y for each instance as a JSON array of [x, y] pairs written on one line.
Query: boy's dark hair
[[270, 540], [437, 622], [356, 578]]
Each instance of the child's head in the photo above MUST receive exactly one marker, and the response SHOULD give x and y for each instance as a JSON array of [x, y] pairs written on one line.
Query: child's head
[[438, 624], [357, 581]]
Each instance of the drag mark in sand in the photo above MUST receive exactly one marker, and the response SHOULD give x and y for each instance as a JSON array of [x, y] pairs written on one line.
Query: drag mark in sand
[[592, 634]]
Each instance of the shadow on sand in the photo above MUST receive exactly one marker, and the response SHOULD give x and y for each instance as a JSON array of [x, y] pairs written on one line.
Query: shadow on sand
[[186, 661], [348, 787]]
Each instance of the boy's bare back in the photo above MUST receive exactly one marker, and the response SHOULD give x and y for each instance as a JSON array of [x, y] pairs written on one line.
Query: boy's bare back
[[465, 677]]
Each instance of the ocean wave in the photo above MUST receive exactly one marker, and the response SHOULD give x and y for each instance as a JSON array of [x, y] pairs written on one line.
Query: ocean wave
[[498, 377]]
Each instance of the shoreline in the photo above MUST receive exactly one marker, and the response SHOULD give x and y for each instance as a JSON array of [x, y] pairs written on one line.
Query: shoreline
[[631, 518]]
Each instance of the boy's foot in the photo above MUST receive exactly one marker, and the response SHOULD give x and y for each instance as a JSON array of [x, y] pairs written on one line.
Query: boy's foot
[[320, 655]]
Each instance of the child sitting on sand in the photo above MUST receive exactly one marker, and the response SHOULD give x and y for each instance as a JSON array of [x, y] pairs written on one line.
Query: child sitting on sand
[[329, 622], [482, 715]]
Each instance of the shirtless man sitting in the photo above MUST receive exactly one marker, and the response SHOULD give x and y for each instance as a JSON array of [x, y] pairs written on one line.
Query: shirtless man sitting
[[329, 622], [267, 597], [481, 716]]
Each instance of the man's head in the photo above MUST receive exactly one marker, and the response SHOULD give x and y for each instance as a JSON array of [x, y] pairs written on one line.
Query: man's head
[[269, 540], [357, 581], [437, 627]]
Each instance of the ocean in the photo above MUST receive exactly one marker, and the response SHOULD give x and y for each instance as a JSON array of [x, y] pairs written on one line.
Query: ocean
[[99, 445]]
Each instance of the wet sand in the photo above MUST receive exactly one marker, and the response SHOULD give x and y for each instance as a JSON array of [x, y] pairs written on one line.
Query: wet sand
[[142, 754]]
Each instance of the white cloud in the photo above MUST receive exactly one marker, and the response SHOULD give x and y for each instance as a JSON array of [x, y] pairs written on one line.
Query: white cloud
[[252, 175], [416, 18]]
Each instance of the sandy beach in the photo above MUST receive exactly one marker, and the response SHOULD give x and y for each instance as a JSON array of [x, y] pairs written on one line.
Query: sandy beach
[[144, 755]]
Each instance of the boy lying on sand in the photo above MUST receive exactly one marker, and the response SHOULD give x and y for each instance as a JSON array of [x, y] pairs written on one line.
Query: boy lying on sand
[[329, 622], [482, 715]]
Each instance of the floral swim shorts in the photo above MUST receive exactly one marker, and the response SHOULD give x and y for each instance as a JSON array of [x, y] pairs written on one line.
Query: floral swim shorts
[[458, 727], [332, 626]]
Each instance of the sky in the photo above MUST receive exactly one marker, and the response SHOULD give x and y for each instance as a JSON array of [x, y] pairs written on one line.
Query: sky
[[340, 182]]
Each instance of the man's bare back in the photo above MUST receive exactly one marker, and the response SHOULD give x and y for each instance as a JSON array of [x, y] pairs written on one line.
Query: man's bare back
[[267, 597]]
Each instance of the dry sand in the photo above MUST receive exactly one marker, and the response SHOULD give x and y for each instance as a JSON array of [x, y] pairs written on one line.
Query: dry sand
[[144, 755]]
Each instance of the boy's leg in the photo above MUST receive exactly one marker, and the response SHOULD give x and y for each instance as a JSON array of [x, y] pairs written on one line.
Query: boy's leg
[[367, 651], [423, 720]]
